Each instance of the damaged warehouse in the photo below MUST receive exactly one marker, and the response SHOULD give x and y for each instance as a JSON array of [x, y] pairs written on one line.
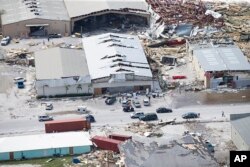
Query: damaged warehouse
[[219, 64], [34, 18], [118, 65], [66, 73], [86, 15]]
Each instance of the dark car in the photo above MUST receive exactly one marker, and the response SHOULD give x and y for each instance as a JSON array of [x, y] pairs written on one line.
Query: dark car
[[190, 115], [90, 118], [54, 36], [148, 117], [128, 109], [110, 100], [163, 110]]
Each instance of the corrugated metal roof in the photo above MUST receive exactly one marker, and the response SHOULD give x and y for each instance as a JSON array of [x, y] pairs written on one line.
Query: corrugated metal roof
[[242, 125], [55, 63], [44, 141], [17, 10], [115, 54], [83, 7], [222, 59]]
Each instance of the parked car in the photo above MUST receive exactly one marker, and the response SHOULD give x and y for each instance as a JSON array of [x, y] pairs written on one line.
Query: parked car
[[5, 41], [110, 100], [45, 118], [90, 118], [209, 146], [125, 103], [146, 102], [48, 106], [128, 109], [54, 36], [136, 103], [19, 79], [20, 84], [82, 109], [163, 110], [136, 114], [148, 117], [190, 115]]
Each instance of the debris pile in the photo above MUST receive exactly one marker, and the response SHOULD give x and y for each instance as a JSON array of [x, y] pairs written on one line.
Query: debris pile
[[144, 129], [99, 158], [18, 56]]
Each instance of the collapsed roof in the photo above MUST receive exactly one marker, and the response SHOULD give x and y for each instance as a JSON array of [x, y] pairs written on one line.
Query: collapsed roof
[[111, 53]]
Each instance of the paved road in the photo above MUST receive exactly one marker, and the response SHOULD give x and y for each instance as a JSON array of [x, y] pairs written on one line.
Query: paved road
[[116, 117]]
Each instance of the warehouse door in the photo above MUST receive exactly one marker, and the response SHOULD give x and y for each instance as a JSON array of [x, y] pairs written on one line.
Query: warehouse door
[[71, 151], [11, 156], [38, 30]]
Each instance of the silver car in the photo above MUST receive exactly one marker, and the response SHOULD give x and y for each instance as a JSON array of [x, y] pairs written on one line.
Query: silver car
[[136, 114], [45, 118]]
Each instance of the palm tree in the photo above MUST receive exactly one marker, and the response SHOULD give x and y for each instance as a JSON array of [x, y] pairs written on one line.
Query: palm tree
[[67, 88], [79, 87]]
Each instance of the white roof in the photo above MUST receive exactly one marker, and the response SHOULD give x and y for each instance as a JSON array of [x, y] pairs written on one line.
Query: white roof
[[44, 141], [18, 10], [84, 7], [57, 63], [222, 59], [115, 54]]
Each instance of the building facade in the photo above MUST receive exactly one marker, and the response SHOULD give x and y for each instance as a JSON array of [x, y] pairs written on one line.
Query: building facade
[[62, 71], [44, 145], [118, 65], [240, 124]]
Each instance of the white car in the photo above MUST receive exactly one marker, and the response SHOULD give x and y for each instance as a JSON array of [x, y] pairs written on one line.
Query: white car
[[82, 109], [45, 118], [5, 41], [136, 103], [136, 114], [146, 102], [49, 106]]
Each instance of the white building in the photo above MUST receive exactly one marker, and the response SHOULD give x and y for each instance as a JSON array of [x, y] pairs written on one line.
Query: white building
[[117, 63], [44, 145], [61, 71]]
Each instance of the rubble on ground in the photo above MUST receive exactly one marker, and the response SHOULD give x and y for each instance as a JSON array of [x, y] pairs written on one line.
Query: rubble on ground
[[144, 129], [99, 158]]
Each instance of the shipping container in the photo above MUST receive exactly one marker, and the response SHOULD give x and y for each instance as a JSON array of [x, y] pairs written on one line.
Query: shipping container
[[106, 143], [120, 137], [67, 125]]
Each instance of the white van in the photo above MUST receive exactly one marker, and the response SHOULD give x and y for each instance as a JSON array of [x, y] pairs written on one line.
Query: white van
[[146, 102], [82, 109]]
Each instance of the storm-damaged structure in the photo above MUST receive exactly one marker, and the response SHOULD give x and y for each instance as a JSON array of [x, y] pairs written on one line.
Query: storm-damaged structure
[[179, 17], [219, 63], [89, 15]]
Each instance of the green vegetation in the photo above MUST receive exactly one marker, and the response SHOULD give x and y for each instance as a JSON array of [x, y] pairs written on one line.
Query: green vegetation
[[55, 162]]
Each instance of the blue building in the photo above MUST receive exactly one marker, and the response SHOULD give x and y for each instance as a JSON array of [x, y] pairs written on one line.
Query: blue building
[[44, 145]]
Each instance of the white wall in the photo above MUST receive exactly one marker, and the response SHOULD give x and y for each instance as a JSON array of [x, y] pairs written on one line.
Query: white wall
[[61, 90]]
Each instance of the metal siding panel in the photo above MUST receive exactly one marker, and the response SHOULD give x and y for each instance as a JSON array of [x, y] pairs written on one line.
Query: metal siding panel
[[81, 149], [18, 155], [4, 156]]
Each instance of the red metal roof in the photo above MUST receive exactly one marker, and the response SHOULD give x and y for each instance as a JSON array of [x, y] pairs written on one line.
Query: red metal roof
[[106, 139], [65, 120]]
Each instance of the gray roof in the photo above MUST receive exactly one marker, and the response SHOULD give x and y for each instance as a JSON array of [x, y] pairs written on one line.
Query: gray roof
[[84, 7], [56, 63], [228, 58], [242, 125], [140, 155], [17, 10]]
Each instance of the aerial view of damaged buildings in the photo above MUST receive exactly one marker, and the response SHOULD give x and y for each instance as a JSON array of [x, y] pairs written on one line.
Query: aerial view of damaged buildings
[[134, 83]]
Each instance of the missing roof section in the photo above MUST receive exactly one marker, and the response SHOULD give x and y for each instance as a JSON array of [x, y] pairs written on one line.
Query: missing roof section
[[113, 56]]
